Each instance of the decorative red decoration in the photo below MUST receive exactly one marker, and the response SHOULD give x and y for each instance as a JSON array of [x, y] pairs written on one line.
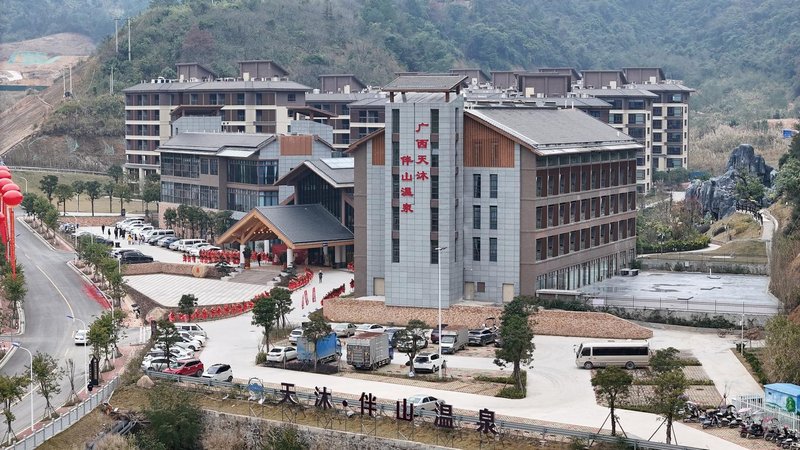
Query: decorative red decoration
[[422, 159], [406, 192], [407, 208], [422, 144], [422, 175], [406, 177]]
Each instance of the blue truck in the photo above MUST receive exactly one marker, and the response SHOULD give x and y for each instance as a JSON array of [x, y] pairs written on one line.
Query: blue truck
[[328, 349]]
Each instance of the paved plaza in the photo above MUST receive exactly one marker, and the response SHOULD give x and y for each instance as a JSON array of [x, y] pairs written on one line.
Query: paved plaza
[[715, 293]]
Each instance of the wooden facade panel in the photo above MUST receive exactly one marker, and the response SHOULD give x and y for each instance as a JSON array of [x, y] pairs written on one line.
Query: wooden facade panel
[[379, 150], [485, 147], [296, 145]]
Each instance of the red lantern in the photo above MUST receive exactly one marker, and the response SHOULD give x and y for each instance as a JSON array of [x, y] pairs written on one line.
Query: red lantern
[[11, 187], [4, 173], [172, 316]]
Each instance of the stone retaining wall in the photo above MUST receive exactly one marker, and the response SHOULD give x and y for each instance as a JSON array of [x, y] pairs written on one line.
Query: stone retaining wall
[[547, 322], [168, 268]]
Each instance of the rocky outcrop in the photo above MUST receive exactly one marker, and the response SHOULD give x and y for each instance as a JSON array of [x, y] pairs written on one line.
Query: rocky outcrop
[[716, 196]]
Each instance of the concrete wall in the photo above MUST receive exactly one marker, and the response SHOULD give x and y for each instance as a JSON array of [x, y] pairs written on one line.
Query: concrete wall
[[547, 322], [721, 266]]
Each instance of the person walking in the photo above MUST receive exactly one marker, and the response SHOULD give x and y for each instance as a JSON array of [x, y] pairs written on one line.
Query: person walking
[[258, 258], [103, 229], [320, 276]]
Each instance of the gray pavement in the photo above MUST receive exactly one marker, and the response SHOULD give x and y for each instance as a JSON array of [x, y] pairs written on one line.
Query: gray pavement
[[54, 291], [558, 391]]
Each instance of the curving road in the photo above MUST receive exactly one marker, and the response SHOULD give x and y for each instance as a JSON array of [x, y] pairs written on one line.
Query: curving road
[[54, 292]]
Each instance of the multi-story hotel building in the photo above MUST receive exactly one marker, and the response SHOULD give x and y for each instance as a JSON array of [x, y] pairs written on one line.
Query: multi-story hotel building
[[260, 100], [512, 198]]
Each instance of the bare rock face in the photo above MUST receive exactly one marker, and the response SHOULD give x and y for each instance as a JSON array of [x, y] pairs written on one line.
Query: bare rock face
[[145, 382], [716, 196]]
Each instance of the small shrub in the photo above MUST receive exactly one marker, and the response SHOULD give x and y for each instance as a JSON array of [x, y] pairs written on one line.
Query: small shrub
[[511, 392], [113, 441], [286, 437], [678, 267], [223, 435], [261, 358]]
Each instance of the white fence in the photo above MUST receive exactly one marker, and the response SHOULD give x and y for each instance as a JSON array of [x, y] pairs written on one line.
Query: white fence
[[66, 420], [756, 405]]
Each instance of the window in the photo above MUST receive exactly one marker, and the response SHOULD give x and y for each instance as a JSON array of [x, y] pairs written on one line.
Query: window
[[636, 119], [395, 153], [204, 166], [657, 111], [434, 219], [395, 250], [395, 120], [615, 118], [214, 167], [480, 286], [434, 252], [476, 185], [636, 133], [435, 187], [493, 185], [291, 98], [395, 218], [247, 171], [657, 124], [476, 249], [676, 98], [493, 217], [192, 99], [635, 104], [240, 98], [476, 217], [395, 186], [657, 150], [434, 121], [434, 154], [493, 249]]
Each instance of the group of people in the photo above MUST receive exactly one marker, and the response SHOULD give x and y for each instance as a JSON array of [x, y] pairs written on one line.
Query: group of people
[[118, 233]]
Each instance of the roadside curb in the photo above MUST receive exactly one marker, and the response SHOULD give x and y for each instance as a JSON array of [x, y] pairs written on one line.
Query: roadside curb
[[20, 332], [88, 280], [38, 236]]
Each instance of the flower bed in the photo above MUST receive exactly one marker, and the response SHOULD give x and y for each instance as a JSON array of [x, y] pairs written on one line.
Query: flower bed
[[301, 281]]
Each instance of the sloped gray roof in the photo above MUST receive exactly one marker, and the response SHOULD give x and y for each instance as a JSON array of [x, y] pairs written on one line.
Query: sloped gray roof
[[213, 142], [424, 83], [338, 172], [303, 224], [617, 93], [280, 85], [663, 87], [342, 97], [550, 131]]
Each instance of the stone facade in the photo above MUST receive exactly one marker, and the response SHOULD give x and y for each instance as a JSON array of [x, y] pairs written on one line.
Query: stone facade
[[547, 322]]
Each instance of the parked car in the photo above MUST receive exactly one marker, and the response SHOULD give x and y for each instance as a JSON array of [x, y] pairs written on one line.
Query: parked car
[[296, 333], [481, 337], [81, 337], [435, 333], [427, 362], [135, 258], [118, 252], [177, 351], [167, 241], [219, 372], [158, 364], [190, 367], [196, 337], [189, 343], [344, 329], [129, 221], [426, 402], [405, 346], [184, 244], [370, 327], [195, 249], [143, 231], [281, 354], [192, 328], [133, 230], [392, 331]]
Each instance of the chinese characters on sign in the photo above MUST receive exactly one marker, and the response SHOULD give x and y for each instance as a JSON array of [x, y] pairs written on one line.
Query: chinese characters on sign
[[486, 421], [444, 416], [323, 400], [404, 412], [288, 393], [368, 404], [413, 169]]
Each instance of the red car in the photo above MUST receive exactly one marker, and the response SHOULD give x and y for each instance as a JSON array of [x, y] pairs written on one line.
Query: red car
[[190, 367]]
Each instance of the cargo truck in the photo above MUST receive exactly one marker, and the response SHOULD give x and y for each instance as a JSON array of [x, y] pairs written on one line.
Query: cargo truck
[[368, 351], [328, 349], [454, 339]]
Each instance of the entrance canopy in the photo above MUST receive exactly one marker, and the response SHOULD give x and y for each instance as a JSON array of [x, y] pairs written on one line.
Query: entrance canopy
[[298, 226]]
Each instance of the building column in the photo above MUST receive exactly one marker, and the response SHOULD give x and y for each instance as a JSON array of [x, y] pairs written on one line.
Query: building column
[[241, 254], [289, 258], [338, 256]]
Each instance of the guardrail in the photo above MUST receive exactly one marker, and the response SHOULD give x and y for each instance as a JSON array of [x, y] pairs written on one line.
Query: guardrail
[[681, 304], [53, 169], [389, 410], [66, 420]]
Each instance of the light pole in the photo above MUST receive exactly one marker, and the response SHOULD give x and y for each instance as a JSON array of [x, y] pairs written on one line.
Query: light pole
[[439, 251], [85, 356], [26, 182], [18, 345]]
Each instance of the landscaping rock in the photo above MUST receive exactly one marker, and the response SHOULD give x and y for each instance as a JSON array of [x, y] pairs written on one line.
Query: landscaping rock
[[145, 382]]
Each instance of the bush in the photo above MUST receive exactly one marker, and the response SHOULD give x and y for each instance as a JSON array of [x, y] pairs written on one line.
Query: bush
[[223, 435], [261, 358], [511, 392], [672, 245], [175, 418], [113, 441], [755, 364], [285, 437]]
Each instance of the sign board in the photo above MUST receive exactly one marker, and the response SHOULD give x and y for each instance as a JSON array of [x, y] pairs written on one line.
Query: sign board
[[94, 371]]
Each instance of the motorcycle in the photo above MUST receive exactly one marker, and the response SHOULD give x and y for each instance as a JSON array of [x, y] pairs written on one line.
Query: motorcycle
[[754, 429]]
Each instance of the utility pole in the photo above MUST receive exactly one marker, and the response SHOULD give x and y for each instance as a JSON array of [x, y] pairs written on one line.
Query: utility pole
[[111, 83], [116, 34], [64, 79], [129, 38], [70, 80]]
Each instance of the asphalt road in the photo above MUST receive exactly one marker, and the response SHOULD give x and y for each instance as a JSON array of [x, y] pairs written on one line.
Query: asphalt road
[[54, 292]]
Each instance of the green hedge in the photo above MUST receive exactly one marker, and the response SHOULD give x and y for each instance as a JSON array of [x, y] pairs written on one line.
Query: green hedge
[[697, 243]]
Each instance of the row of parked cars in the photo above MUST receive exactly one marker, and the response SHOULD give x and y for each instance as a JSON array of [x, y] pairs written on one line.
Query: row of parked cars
[[182, 359], [165, 238]]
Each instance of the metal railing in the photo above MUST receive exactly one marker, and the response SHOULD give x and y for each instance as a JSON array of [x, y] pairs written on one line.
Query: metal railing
[[54, 169], [68, 419], [388, 409], [767, 412], [682, 304]]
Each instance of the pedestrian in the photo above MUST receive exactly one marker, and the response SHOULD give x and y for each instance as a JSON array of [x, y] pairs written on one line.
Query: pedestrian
[[102, 229], [129, 239], [109, 232], [320, 276], [258, 258]]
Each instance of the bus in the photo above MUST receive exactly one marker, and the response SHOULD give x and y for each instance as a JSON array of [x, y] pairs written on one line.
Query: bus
[[629, 354]]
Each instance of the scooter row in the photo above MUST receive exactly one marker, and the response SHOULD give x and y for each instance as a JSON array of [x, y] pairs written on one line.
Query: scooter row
[[783, 437], [748, 427]]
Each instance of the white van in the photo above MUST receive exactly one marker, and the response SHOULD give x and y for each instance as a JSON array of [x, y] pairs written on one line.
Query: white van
[[158, 233], [183, 243], [629, 354], [191, 328]]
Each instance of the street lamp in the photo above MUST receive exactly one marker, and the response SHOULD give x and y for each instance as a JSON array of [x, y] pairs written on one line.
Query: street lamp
[[85, 357], [18, 345], [26, 182], [439, 251]]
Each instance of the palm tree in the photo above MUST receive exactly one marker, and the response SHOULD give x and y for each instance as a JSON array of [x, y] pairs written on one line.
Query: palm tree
[[93, 191]]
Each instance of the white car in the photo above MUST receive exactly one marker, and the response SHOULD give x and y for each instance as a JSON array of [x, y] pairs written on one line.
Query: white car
[[370, 327], [296, 333], [192, 346], [344, 329], [142, 232], [158, 363], [427, 402], [134, 230], [195, 249], [176, 351], [130, 220], [81, 337], [193, 337], [184, 244], [281, 354], [427, 362], [219, 372]]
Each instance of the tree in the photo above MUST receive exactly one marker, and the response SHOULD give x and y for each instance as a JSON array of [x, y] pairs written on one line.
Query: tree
[[283, 302], [14, 290], [99, 337], [12, 388], [109, 189], [64, 192], [749, 188], [517, 335], [170, 217], [187, 303], [50, 219], [668, 396], [48, 185], [176, 420], [93, 191], [315, 329], [782, 360], [612, 383], [116, 173], [665, 360], [151, 192], [47, 374], [265, 314], [78, 187], [123, 191], [167, 336], [410, 338], [220, 222]]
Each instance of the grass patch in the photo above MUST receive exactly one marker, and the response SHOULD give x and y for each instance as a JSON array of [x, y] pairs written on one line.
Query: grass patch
[[748, 248], [751, 359], [510, 390], [739, 226]]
